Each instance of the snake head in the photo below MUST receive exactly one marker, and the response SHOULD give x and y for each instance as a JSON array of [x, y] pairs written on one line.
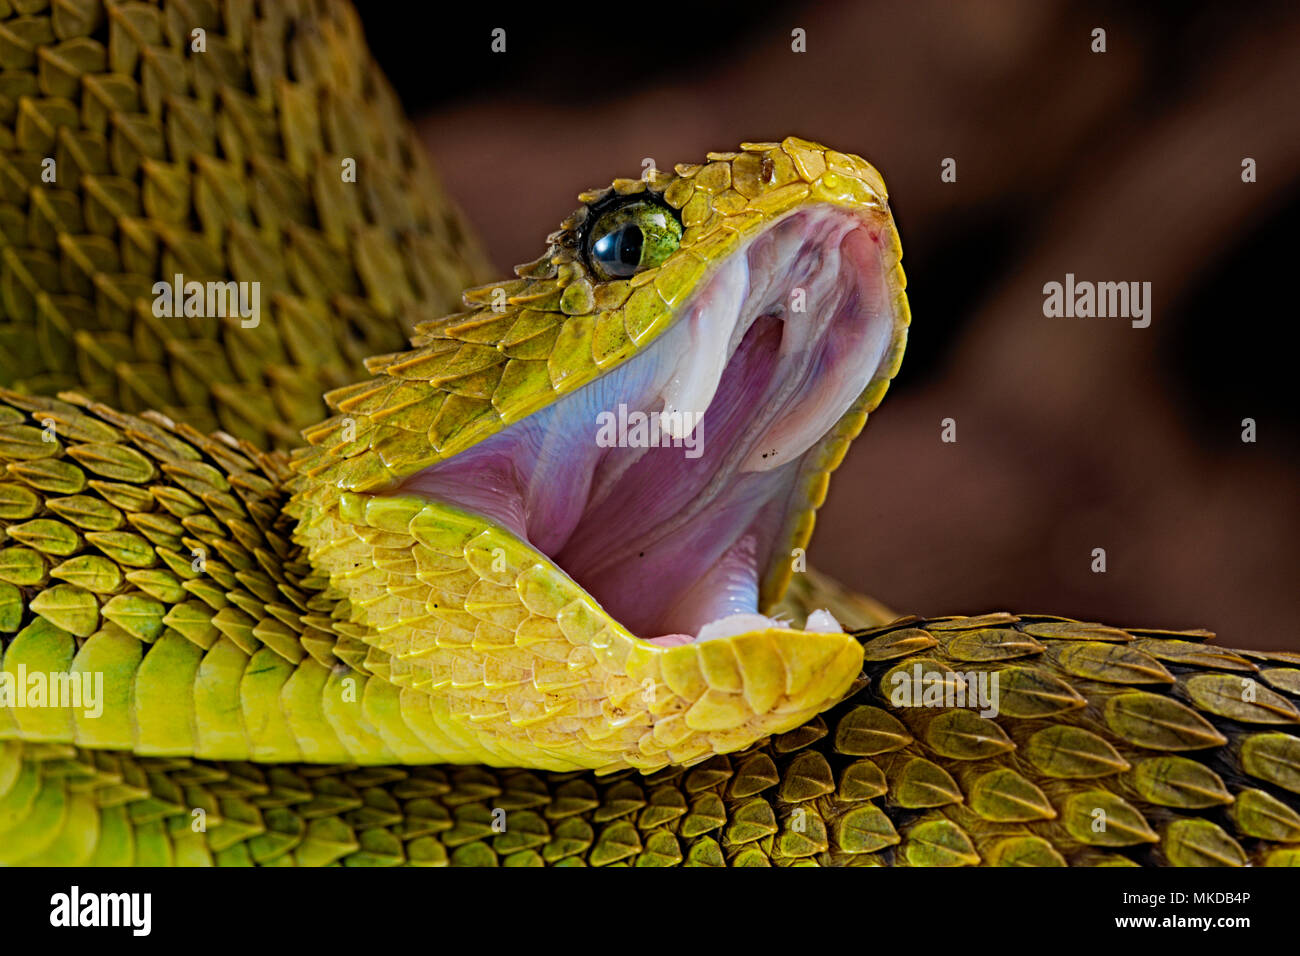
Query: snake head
[[559, 521]]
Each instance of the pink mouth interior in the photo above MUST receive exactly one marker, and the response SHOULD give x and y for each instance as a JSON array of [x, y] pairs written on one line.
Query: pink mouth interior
[[664, 541]]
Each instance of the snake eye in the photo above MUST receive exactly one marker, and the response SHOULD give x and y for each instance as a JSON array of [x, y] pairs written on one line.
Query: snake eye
[[632, 237]]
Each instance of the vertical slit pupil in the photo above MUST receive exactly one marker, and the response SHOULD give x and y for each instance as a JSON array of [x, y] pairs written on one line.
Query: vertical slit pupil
[[619, 250], [629, 245]]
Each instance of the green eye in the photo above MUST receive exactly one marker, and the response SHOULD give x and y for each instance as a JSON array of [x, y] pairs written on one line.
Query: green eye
[[638, 235]]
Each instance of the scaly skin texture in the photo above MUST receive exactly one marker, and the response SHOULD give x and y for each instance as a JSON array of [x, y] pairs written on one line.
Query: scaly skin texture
[[224, 164], [284, 647]]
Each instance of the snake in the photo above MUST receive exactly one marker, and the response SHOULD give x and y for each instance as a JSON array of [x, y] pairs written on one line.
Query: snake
[[407, 566]]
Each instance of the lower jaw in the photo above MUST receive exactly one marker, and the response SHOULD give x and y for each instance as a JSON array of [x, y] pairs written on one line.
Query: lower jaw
[[721, 604]]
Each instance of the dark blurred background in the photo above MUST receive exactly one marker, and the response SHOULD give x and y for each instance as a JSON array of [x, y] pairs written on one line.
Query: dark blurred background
[[1073, 434]]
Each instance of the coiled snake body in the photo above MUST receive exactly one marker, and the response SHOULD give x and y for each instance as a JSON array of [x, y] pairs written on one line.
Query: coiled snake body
[[451, 628]]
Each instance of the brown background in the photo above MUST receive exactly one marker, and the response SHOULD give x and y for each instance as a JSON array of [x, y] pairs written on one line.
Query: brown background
[[1072, 433]]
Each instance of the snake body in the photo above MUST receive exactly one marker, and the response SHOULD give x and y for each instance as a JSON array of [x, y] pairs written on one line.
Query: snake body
[[306, 660]]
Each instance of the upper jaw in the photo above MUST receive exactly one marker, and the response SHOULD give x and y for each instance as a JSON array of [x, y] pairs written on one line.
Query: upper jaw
[[771, 352]]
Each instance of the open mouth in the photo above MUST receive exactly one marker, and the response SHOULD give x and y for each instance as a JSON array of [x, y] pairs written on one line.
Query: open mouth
[[668, 487]]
